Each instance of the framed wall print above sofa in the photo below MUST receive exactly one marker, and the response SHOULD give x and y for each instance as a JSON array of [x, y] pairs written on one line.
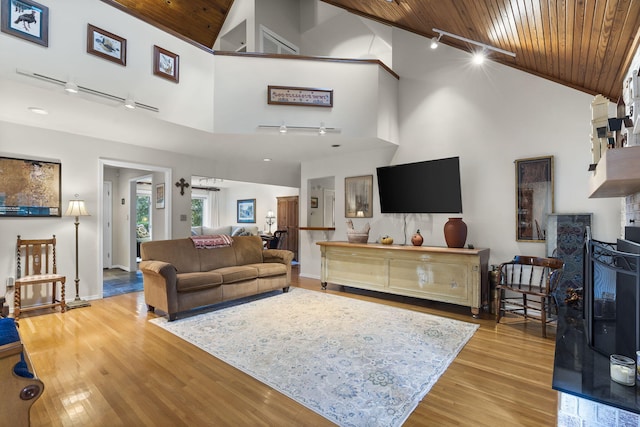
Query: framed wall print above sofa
[[247, 211]]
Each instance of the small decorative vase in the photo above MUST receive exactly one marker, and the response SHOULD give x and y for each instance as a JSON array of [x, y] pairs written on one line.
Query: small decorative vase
[[416, 239], [455, 233]]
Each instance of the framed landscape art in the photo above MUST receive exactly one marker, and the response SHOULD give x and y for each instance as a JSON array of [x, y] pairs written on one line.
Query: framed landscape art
[[106, 45], [26, 19], [31, 188], [247, 211], [534, 197], [166, 64]]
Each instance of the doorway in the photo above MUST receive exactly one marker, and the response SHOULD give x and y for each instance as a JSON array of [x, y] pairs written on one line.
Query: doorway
[[119, 208]]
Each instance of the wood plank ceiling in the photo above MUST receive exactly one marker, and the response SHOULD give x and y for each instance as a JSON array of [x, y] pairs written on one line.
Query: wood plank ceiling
[[584, 44]]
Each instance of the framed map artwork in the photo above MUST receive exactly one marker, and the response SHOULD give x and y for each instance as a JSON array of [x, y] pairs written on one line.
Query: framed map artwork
[[30, 188]]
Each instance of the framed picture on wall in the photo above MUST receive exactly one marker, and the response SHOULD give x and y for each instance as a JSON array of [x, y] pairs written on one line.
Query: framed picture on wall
[[314, 202], [160, 196], [358, 197], [166, 64], [106, 45], [247, 211], [534, 197], [31, 188], [26, 19]]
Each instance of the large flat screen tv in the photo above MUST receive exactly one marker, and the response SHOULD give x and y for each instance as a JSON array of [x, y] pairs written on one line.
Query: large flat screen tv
[[431, 186]]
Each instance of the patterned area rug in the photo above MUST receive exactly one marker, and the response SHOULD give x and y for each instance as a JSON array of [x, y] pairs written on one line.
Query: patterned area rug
[[354, 362]]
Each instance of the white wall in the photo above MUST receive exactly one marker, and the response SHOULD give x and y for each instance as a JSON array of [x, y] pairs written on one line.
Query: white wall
[[490, 117], [66, 58]]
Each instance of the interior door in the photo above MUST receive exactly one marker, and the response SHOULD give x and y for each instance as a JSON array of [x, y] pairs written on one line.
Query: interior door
[[288, 220]]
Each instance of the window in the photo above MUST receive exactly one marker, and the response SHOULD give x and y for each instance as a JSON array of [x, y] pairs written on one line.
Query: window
[[270, 42], [143, 213], [197, 211]]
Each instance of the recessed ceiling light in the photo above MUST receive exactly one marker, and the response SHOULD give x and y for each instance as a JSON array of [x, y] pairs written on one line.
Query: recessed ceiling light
[[38, 110], [266, 159]]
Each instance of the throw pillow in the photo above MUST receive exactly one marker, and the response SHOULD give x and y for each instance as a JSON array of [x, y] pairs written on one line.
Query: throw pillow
[[238, 232]]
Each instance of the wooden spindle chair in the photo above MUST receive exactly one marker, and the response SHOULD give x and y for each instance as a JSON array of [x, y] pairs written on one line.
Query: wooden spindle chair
[[36, 265], [526, 286]]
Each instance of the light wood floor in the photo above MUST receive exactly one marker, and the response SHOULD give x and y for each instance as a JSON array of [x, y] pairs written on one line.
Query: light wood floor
[[105, 365]]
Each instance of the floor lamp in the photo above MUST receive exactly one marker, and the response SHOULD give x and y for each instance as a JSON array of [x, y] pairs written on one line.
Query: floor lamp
[[76, 208]]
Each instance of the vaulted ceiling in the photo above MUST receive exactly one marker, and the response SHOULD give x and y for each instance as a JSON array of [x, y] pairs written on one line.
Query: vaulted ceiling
[[584, 44]]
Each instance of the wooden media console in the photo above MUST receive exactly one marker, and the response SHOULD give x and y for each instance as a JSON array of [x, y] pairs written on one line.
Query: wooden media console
[[456, 276]]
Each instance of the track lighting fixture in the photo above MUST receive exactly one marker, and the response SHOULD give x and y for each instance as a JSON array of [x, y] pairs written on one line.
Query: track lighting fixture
[[484, 47], [321, 130], [71, 87], [435, 41], [130, 103]]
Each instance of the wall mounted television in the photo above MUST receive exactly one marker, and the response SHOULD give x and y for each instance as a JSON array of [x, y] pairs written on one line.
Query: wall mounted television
[[431, 186], [30, 188]]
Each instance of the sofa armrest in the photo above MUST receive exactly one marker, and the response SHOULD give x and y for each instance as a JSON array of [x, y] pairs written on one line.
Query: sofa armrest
[[277, 255], [160, 283], [158, 267]]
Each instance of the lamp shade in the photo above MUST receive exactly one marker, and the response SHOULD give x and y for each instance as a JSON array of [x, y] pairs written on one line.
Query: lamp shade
[[76, 208], [270, 214]]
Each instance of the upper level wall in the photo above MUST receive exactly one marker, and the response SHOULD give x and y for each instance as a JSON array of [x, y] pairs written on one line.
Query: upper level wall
[[363, 93], [190, 102]]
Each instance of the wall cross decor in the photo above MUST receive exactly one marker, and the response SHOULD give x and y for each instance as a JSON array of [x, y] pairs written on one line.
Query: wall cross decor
[[182, 184]]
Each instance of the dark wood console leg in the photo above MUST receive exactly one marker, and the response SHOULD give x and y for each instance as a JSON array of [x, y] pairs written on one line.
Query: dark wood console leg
[[324, 285], [173, 317], [150, 308], [475, 312], [285, 290]]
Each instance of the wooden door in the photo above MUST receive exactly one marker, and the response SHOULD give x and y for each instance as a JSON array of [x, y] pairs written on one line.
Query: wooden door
[[287, 217]]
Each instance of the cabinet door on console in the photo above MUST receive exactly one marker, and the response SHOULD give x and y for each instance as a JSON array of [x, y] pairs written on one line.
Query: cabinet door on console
[[445, 280], [355, 268]]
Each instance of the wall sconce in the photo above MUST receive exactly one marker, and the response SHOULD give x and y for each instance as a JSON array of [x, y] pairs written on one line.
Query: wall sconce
[[270, 220]]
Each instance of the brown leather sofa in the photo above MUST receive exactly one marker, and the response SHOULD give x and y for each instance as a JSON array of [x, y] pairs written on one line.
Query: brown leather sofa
[[179, 277]]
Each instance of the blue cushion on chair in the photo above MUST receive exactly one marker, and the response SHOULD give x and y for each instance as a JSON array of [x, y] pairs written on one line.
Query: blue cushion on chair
[[9, 334], [8, 331]]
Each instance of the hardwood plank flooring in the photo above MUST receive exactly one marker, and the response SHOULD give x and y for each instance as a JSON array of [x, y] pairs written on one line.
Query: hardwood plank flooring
[[105, 365]]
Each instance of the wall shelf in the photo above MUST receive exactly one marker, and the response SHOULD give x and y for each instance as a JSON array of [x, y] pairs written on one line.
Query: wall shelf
[[617, 173]]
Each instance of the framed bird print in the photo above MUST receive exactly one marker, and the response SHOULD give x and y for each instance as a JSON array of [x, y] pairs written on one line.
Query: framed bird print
[[26, 19], [106, 45], [166, 64]]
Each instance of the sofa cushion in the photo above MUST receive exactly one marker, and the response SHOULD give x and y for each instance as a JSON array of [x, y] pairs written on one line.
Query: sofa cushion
[[211, 259], [248, 249], [270, 269], [236, 274], [179, 252], [196, 281]]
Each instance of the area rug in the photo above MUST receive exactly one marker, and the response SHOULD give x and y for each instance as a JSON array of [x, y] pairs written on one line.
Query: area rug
[[354, 362]]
